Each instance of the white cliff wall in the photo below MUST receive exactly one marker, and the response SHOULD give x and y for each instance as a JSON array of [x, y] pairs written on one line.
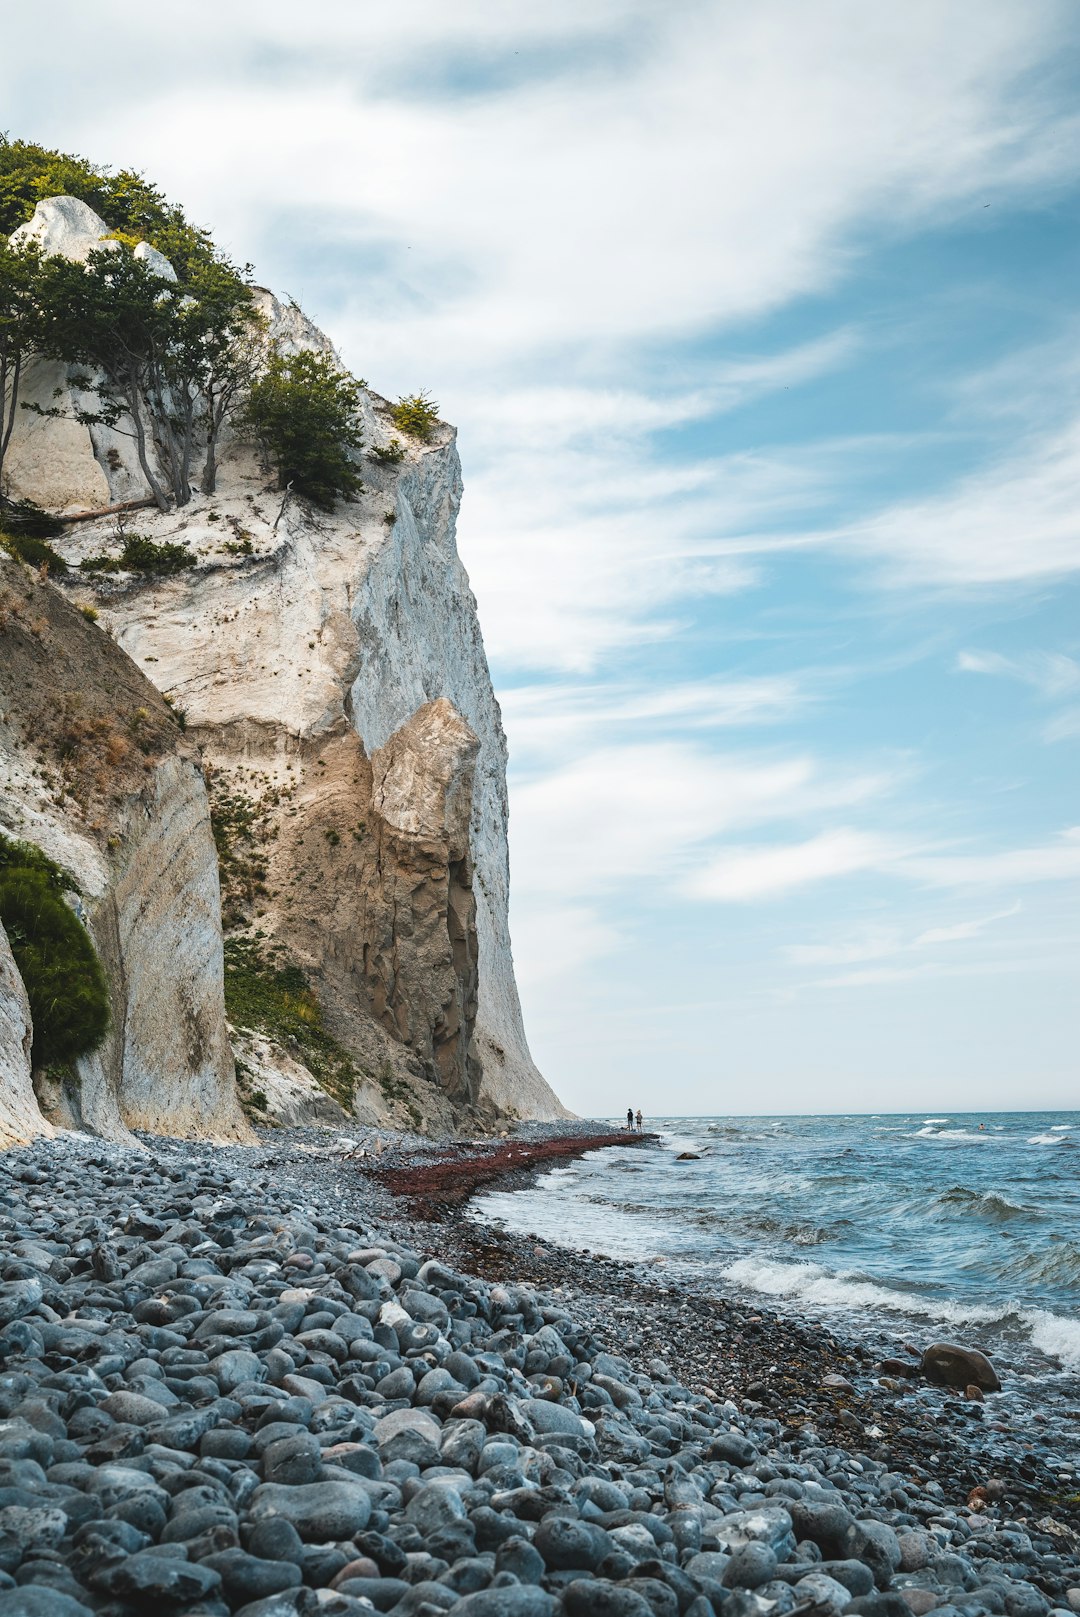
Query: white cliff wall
[[94, 772], [283, 639]]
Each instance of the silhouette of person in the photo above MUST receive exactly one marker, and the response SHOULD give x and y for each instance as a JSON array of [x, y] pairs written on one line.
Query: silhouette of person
[[630, 1117]]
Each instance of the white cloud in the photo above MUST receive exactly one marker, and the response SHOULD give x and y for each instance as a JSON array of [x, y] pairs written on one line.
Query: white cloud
[[1055, 861], [1051, 673], [557, 941], [742, 874], [1015, 521], [961, 931], [645, 816], [552, 721]]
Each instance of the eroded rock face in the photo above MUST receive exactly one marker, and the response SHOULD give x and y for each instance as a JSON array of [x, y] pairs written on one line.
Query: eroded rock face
[[20, 1118], [427, 969], [96, 774], [308, 650]]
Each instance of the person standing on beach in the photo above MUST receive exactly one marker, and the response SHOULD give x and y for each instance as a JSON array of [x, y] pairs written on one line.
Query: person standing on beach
[[630, 1118], [639, 1120]]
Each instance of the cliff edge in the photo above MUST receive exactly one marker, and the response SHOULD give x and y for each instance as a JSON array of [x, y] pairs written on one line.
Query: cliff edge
[[330, 673]]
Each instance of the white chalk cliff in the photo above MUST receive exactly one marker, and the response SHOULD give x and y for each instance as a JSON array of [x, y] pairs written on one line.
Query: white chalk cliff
[[333, 677]]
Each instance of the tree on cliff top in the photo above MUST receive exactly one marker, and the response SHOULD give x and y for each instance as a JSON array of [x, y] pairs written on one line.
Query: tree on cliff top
[[134, 208], [20, 333], [304, 414], [115, 315]]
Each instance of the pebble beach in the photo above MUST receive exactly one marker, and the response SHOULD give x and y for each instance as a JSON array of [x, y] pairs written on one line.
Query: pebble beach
[[300, 1378]]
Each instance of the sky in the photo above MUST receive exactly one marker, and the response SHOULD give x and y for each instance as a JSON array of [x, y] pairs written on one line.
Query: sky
[[759, 326]]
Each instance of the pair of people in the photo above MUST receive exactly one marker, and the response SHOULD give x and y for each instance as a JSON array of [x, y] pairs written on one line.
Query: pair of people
[[630, 1121]]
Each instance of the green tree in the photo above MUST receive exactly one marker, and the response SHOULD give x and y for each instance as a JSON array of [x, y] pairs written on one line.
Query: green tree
[[115, 315], [20, 333], [217, 348], [304, 414], [69, 1002]]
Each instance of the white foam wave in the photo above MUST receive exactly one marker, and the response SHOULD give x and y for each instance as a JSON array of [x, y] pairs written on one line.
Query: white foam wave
[[1053, 1334], [1046, 1139], [810, 1283], [928, 1133], [937, 1120], [1056, 1128]]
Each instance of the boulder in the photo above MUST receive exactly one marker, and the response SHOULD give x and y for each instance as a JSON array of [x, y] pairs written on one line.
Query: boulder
[[953, 1366]]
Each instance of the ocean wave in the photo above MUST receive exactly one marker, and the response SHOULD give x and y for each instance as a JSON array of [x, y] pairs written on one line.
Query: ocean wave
[[1056, 1264], [1057, 1127], [810, 1283], [1052, 1334], [984, 1204], [928, 1133], [927, 1120], [1048, 1139]]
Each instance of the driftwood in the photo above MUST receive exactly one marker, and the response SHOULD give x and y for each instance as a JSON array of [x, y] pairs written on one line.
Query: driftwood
[[108, 511]]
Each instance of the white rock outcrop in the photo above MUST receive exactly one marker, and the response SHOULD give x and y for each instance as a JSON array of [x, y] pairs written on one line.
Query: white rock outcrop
[[20, 1116]]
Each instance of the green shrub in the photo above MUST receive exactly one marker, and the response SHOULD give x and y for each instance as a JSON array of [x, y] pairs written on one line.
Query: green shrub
[[15, 855], [278, 1000], [391, 454], [69, 1002], [416, 414], [304, 413], [141, 555], [34, 552]]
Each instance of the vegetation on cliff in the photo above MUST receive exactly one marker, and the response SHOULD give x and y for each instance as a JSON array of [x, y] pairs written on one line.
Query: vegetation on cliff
[[69, 1002], [264, 993], [168, 362], [304, 413]]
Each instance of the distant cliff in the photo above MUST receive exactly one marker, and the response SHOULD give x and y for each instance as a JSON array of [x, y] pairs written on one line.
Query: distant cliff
[[330, 673]]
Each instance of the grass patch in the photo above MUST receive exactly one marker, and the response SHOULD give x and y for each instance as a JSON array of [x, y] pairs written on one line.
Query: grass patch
[[33, 551], [69, 999], [278, 1000], [416, 415], [139, 554], [391, 454]]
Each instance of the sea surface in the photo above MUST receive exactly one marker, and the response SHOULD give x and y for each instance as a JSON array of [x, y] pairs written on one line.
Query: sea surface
[[903, 1226]]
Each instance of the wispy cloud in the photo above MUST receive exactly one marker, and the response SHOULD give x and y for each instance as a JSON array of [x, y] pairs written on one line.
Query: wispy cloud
[[647, 815], [1051, 673], [742, 874]]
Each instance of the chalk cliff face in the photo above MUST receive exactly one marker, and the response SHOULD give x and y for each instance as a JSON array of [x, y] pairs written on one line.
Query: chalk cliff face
[[20, 1119], [95, 773], [333, 677]]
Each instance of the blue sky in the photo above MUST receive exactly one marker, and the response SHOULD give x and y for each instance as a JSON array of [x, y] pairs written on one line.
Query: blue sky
[[759, 324]]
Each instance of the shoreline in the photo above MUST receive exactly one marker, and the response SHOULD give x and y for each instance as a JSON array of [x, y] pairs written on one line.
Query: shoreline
[[443, 1181], [243, 1379], [780, 1356]]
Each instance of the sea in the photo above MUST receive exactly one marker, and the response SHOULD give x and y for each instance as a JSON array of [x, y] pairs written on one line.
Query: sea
[[909, 1227]]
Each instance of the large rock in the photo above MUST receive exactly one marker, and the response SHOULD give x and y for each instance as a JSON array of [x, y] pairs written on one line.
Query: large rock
[[20, 1116], [132, 827], [953, 1366]]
